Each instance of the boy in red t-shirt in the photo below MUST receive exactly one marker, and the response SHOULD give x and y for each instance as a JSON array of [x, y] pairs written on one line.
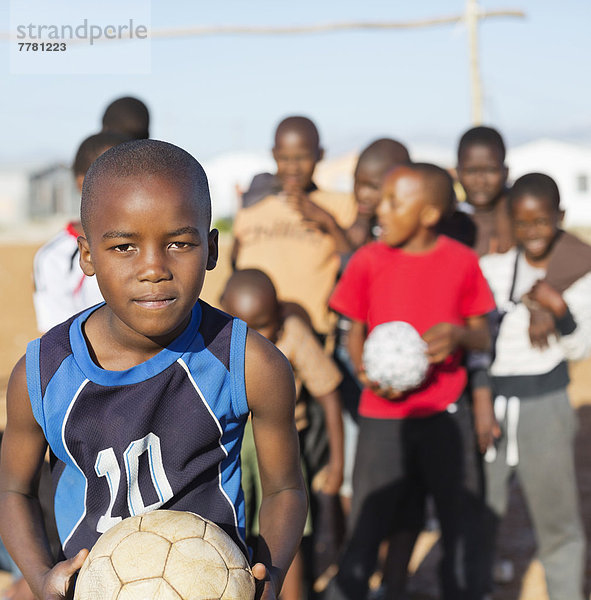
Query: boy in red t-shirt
[[413, 443]]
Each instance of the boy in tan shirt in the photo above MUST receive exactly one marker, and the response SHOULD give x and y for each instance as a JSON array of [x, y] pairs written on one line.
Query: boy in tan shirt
[[296, 236]]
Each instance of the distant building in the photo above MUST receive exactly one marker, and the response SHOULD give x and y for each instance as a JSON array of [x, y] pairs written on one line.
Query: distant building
[[229, 175], [53, 193], [14, 196], [37, 194], [568, 164]]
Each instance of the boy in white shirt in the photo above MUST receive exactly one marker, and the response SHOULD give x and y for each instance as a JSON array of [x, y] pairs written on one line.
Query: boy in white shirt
[[530, 384]]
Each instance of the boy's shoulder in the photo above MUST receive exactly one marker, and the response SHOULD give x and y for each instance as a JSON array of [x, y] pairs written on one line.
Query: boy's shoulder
[[52, 348], [449, 245], [60, 247], [221, 332], [341, 205], [490, 262]]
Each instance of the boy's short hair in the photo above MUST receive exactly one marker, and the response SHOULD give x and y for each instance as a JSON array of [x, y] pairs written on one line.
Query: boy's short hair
[[299, 124], [440, 184], [129, 116], [142, 158], [251, 280], [92, 147], [384, 151], [482, 136], [537, 185]]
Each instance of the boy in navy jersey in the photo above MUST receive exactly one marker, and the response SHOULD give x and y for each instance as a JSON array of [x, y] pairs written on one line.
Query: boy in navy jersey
[[143, 399]]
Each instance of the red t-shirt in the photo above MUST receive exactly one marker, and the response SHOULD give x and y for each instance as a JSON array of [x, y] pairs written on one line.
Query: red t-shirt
[[443, 285]]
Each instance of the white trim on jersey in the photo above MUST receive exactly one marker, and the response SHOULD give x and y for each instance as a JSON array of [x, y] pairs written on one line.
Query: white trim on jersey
[[220, 429], [66, 416]]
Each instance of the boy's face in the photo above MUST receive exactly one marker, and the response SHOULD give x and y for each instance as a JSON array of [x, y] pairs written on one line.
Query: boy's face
[[535, 225], [404, 211], [257, 311], [149, 246], [369, 177], [482, 174], [296, 158]]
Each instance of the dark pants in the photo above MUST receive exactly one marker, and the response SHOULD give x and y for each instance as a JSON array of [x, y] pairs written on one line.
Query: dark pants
[[398, 463]]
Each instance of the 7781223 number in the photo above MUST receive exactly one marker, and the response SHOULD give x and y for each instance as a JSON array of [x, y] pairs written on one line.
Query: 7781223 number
[[42, 47]]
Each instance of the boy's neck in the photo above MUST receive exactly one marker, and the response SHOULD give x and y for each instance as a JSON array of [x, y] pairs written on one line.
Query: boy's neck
[[115, 347], [489, 208], [420, 243], [311, 187]]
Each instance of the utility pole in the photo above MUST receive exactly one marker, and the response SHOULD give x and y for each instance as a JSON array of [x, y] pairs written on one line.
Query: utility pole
[[472, 18]]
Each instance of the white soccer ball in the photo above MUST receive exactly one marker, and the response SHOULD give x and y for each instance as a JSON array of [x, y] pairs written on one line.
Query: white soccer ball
[[394, 355], [165, 555]]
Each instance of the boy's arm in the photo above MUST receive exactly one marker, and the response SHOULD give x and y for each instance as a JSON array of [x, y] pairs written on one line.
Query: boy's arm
[[359, 233], [333, 417], [572, 323], [314, 213], [21, 520], [355, 341], [234, 253], [444, 338], [271, 397]]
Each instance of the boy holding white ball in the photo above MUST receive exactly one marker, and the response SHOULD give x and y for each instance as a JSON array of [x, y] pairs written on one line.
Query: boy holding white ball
[[413, 442]]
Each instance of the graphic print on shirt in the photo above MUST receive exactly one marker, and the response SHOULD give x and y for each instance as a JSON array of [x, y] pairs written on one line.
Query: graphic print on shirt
[[132, 420]]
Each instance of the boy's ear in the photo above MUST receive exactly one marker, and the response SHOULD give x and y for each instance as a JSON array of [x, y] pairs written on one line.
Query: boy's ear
[[212, 244], [79, 182], [561, 214], [320, 154], [85, 257], [431, 215], [506, 172]]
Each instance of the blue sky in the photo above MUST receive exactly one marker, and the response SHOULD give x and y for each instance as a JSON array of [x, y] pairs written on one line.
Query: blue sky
[[226, 93]]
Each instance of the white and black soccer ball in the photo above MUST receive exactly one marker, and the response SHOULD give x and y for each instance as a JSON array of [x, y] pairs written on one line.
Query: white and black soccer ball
[[395, 356]]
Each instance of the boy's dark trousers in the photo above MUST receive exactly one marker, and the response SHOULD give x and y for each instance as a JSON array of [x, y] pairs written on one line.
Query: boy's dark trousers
[[398, 463], [543, 448]]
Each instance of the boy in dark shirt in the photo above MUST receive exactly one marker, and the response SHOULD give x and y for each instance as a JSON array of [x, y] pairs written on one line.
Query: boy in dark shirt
[[152, 372]]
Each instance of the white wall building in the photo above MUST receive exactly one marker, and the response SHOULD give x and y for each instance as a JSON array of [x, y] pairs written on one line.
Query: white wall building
[[568, 164], [30, 192], [14, 196]]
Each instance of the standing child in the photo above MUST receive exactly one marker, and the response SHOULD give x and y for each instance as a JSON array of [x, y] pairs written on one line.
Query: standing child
[[530, 382], [482, 172], [297, 236], [153, 371], [61, 287], [380, 157], [127, 116], [373, 163], [414, 443], [250, 296]]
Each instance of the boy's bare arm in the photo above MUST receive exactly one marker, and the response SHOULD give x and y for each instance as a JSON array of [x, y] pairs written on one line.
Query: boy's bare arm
[[271, 397], [323, 219], [21, 521], [355, 340], [359, 233], [234, 253], [444, 338], [333, 417]]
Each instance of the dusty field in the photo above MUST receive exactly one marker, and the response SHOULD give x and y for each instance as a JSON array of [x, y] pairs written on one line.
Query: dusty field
[[17, 322]]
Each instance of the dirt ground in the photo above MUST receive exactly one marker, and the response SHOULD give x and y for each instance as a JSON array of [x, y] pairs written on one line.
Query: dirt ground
[[17, 322]]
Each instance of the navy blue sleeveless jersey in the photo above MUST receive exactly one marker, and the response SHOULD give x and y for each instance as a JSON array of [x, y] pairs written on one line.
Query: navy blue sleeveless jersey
[[163, 434]]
